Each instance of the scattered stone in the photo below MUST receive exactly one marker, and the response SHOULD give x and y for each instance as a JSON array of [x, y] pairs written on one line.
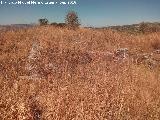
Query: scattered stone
[[151, 64], [156, 51], [32, 62], [121, 53], [35, 51]]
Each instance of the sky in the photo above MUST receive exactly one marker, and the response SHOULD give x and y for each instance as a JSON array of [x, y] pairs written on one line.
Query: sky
[[94, 13]]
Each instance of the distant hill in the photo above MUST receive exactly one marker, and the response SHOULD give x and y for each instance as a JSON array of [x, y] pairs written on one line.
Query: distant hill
[[144, 27], [16, 26], [137, 28]]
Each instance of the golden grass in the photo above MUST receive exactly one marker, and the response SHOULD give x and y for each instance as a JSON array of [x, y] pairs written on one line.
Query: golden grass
[[82, 82]]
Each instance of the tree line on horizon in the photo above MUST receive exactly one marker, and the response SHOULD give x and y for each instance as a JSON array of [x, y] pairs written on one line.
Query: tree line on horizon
[[71, 21]]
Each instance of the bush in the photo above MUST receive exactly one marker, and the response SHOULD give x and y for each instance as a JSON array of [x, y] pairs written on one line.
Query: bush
[[43, 21], [149, 27], [154, 28], [54, 24], [156, 44], [143, 27], [58, 24], [61, 25]]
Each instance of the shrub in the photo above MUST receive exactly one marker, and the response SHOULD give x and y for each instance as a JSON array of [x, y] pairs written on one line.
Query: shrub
[[154, 28], [58, 24], [54, 24], [61, 25], [143, 27], [43, 21], [156, 44]]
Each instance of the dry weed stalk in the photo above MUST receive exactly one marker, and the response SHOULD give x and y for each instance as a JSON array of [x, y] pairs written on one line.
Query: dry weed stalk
[[80, 78]]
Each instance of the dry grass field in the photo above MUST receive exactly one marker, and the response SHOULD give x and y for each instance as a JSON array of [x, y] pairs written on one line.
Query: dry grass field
[[49, 73]]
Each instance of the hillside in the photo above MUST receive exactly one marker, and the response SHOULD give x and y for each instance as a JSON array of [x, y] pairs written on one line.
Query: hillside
[[15, 26], [137, 28], [51, 73]]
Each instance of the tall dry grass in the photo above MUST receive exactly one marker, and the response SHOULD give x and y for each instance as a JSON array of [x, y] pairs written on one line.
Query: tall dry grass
[[80, 76]]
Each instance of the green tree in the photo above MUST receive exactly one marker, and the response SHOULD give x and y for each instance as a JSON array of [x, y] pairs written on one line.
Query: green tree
[[72, 20]]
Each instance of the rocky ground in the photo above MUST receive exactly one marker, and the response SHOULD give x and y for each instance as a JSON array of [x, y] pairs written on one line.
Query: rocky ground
[[54, 73]]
